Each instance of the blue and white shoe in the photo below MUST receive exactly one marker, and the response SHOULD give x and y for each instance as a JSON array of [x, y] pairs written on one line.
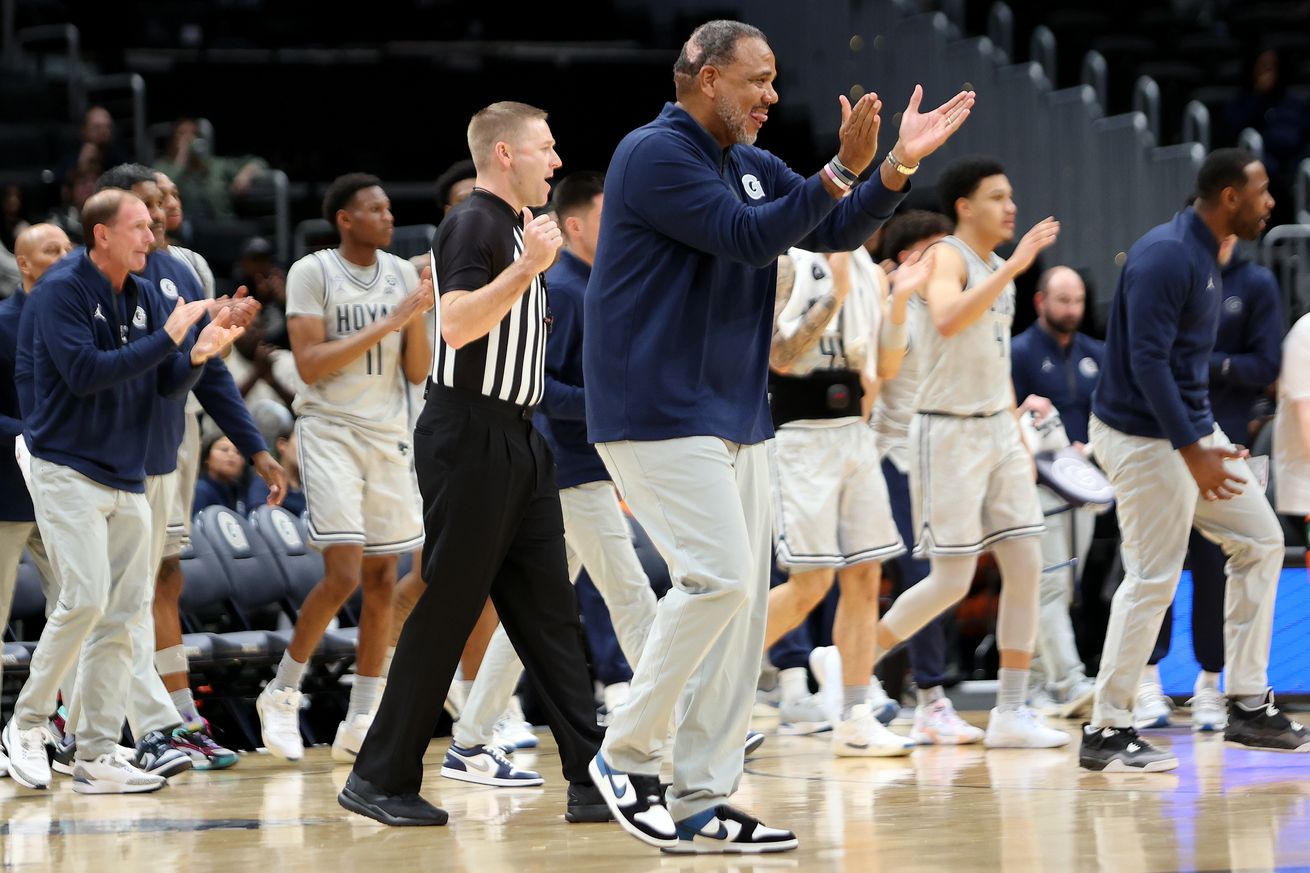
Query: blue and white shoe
[[636, 803], [486, 765], [724, 830]]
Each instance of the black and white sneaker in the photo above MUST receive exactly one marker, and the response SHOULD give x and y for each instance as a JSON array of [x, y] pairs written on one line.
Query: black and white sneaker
[[1266, 729], [155, 755], [636, 803], [486, 765], [725, 830], [1121, 750]]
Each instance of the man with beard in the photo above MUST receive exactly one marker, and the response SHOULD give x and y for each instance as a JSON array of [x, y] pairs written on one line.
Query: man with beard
[[1173, 467], [678, 321], [1055, 370]]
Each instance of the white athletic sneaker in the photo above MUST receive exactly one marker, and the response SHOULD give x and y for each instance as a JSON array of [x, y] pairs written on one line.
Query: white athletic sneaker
[[1152, 707], [110, 774], [1209, 710], [279, 722], [825, 664], [28, 764], [350, 736], [485, 765], [512, 730], [805, 716], [4, 763], [938, 724], [1021, 728], [863, 736], [884, 708]]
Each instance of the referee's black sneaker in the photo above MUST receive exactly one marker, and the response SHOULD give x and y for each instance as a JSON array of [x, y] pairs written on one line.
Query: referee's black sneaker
[[1121, 750], [398, 810], [636, 802], [1265, 728], [586, 804]]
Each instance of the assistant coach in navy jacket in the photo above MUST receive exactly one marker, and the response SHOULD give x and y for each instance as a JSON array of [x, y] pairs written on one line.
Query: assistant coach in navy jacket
[[678, 316], [96, 345], [1153, 431]]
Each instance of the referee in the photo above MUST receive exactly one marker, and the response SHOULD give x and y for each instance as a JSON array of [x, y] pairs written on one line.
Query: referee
[[491, 509]]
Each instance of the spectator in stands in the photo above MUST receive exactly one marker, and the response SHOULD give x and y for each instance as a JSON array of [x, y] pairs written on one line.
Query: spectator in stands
[[1282, 119], [78, 184], [454, 185], [220, 483], [287, 455], [208, 183], [12, 222], [97, 151], [268, 284]]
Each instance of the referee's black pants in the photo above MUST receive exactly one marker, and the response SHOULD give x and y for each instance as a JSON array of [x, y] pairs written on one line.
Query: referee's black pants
[[493, 526]]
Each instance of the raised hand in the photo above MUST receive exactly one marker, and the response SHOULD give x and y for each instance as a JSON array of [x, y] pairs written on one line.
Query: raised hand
[[183, 316], [1040, 237], [541, 241], [416, 303], [910, 276], [215, 339], [859, 132], [923, 133]]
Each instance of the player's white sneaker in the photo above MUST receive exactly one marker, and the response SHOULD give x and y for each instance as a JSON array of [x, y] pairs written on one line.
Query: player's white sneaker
[[805, 716], [279, 722], [1152, 707], [1021, 728], [1209, 710], [350, 736], [110, 774], [938, 724], [863, 736], [512, 730], [28, 764]]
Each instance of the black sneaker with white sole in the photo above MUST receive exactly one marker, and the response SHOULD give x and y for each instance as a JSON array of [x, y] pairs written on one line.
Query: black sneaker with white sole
[[1265, 729], [636, 803], [155, 755], [1121, 750], [723, 830]]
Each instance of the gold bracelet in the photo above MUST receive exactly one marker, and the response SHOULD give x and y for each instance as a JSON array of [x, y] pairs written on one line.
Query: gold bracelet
[[904, 169]]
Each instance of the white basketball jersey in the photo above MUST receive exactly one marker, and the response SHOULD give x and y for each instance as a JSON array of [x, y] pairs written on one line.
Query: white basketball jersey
[[969, 373], [844, 344], [370, 391]]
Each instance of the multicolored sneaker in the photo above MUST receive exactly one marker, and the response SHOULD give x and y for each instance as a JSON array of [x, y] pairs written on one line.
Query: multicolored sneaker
[[198, 744]]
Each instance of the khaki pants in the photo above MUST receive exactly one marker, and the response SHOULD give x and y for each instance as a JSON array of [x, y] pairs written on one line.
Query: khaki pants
[[14, 537], [1065, 544], [1158, 504]]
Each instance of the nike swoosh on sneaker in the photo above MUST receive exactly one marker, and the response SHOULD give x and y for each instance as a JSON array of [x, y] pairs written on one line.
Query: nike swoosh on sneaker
[[480, 766]]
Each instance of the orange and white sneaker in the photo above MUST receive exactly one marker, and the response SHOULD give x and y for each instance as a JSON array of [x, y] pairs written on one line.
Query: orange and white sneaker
[[938, 724]]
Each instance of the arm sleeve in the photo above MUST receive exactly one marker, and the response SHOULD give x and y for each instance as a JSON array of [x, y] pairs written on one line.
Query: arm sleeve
[[562, 400], [67, 335], [672, 188], [218, 394], [1155, 290], [463, 253], [1256, 365]]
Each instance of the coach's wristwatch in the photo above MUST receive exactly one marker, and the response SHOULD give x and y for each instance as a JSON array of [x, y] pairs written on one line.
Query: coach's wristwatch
[[904, 169]]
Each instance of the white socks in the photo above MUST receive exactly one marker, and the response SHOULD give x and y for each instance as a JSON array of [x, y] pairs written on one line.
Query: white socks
[[1011, 689], [364, 696], [793, 683], [929, 696], [289, 673]]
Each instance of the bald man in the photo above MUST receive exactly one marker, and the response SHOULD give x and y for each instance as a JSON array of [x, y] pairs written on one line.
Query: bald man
[[35, 250], [1055, 369]]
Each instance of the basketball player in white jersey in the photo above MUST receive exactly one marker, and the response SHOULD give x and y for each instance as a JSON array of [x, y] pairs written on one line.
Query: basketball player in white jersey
[[354, 315], [836, 333], [972, 477]]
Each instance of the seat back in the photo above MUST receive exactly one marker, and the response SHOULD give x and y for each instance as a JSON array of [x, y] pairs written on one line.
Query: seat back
[[207, 590], [256, 579], [284, 534]]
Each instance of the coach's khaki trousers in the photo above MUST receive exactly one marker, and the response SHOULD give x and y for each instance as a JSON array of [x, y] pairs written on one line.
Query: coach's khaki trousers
[[1065, 543], [706, 504], [14, 537], [1158, 503]]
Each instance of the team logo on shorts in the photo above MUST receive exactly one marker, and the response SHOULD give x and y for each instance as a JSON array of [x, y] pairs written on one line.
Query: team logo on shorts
[[169, 288], [139, 319], [753, 187], [1233, 305], [1089, 368]]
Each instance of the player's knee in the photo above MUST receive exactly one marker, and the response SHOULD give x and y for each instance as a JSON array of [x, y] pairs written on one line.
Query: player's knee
[[339, 585], [812, 586]]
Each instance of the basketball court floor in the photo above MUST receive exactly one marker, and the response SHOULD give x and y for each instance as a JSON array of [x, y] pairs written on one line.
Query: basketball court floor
[[943, 809]]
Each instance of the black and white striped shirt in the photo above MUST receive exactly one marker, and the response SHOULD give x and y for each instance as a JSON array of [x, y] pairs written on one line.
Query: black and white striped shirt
[[475, 243]]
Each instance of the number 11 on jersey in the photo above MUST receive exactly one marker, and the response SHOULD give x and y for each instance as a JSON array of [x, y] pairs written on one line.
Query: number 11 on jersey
[[369, 356]]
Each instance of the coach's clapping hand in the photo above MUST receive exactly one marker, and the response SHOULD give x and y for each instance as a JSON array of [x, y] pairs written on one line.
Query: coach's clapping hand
[[417, 303], [182, 317], [923, 133], [859, 132], [244, 307], [217, 336], [273, 475], [541, 241], [1207, 468]]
